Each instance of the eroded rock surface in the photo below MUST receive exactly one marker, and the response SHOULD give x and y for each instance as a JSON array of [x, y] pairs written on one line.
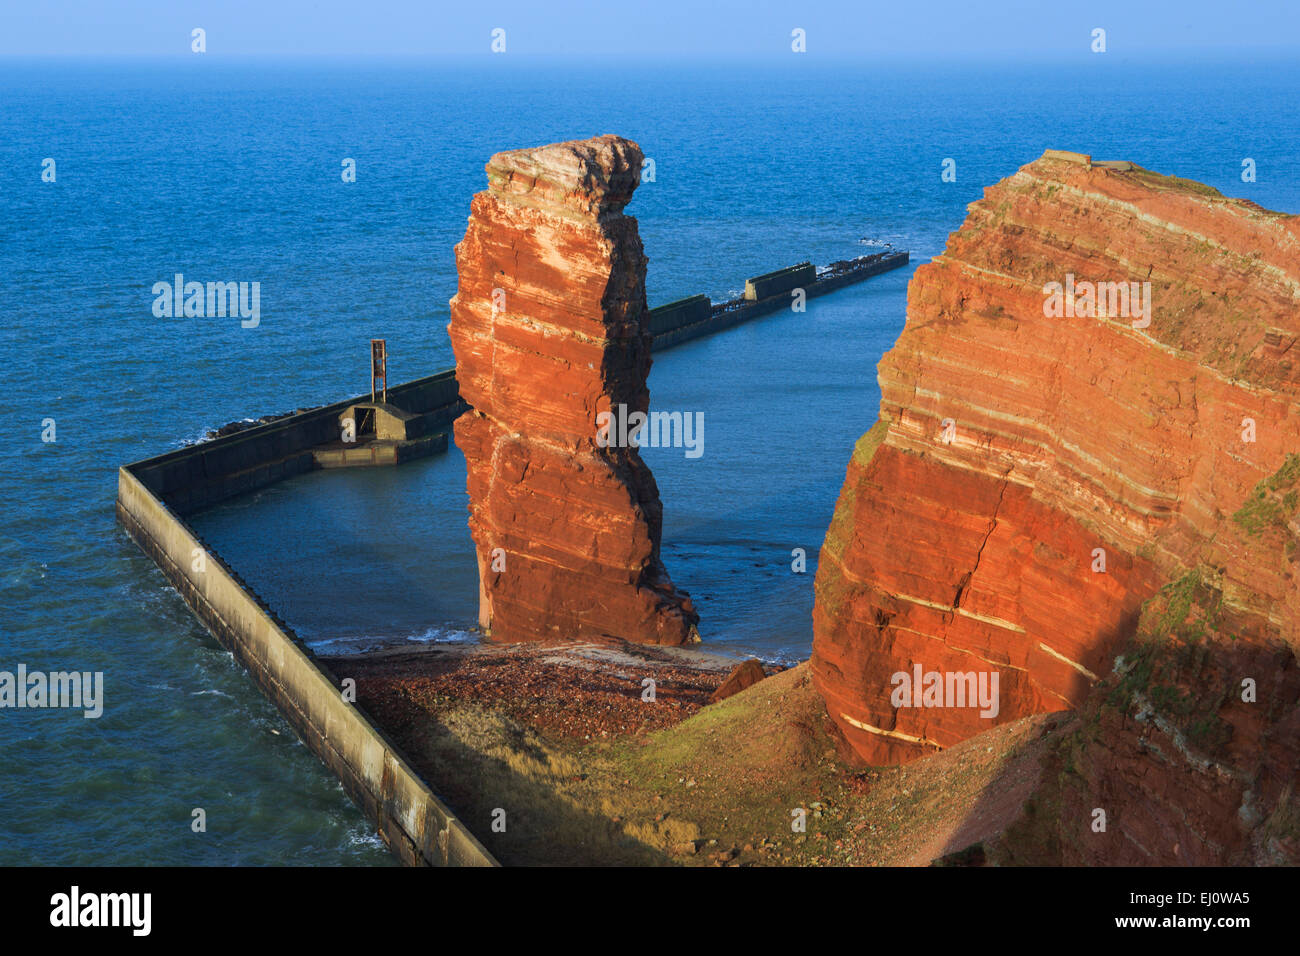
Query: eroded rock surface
[[1024, 441], [549, 330]]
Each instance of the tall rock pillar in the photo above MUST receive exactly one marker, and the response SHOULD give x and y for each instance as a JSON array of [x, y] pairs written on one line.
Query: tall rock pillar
[[549, 329]]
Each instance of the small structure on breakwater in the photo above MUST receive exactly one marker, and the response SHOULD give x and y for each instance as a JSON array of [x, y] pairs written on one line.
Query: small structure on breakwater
[[687, 319]]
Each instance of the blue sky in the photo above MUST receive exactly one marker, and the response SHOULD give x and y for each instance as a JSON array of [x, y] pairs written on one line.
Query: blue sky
[[966, 29]]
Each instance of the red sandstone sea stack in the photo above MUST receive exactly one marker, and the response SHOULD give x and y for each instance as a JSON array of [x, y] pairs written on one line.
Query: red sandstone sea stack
[[549, 330], [1099, 509]]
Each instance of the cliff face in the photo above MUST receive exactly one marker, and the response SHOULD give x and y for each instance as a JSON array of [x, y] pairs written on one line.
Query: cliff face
[[548, 327], [1029, 432], [1191, 746]]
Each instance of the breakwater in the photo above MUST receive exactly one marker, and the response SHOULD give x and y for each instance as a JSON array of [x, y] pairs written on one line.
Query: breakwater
[[691, 318], [412, 821], [413, 422], [154, 495]]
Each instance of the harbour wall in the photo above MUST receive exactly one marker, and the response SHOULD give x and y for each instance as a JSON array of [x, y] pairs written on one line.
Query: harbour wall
[[693, 318], [780, 282], [201, 475], [412, 821]]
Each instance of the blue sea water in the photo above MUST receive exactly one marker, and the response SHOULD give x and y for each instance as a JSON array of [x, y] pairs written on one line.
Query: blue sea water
[[231, 171]]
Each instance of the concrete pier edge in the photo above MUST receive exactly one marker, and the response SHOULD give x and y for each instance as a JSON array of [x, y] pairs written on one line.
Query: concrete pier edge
[[412, 821]]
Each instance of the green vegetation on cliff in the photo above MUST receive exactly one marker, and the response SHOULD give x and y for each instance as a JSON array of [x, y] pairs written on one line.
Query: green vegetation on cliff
[[832, 588], [865, 449], [1170, 667], [1274, 501]]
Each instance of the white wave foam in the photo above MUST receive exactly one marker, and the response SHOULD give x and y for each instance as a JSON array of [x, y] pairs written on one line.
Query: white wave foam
[[363, 643]]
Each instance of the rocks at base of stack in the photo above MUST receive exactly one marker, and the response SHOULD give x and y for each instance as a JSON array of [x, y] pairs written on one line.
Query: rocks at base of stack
[[549, 330], [1051, 451], [743, 676]]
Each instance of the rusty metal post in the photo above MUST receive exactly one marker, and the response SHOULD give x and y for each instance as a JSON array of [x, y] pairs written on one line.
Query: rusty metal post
[[378, 369]]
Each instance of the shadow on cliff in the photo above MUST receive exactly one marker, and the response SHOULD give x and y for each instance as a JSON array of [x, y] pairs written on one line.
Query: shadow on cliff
[[1185, 772], [1015, 793], [1017, 814]]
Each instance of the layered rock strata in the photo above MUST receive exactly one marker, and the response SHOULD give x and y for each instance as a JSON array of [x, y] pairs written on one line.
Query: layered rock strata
[[1191, 745], [1050, 455], [549, 330]]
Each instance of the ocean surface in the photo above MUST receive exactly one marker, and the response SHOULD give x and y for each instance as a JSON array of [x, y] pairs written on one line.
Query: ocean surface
[[231, 172]]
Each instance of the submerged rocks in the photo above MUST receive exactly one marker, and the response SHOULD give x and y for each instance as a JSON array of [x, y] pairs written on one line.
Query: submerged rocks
[[549, 330], [1050, 453], [234, 428]]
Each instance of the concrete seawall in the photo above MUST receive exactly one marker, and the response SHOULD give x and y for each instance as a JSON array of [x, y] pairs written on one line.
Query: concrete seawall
[[416, 825], [692, 318], [201, 475], [780, 282], [674, 315]]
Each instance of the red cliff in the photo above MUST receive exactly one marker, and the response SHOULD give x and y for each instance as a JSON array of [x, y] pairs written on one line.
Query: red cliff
[[1035, 424], [549, 330]]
